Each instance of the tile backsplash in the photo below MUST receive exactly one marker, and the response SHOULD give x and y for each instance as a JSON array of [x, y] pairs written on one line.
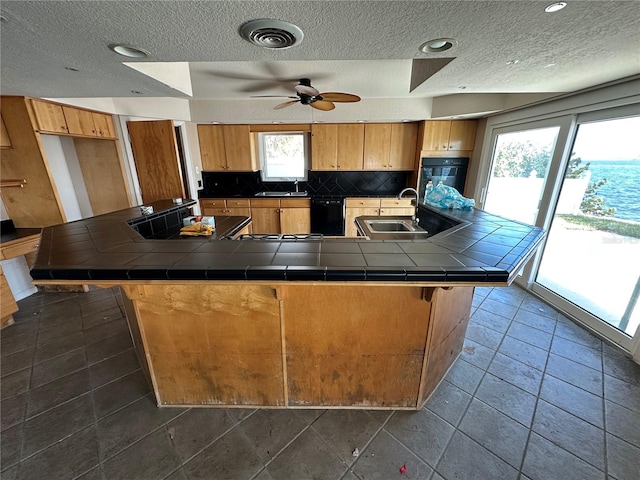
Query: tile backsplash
[[352, 183]]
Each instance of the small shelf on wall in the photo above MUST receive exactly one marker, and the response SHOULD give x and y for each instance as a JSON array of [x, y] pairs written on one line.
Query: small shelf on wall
[[13, 183]]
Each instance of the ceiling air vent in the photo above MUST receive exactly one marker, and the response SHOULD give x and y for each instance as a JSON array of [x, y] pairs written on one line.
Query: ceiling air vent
[[269, 33]]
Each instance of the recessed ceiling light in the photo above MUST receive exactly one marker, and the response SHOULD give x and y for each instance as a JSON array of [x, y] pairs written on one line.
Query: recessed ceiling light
[[438, 45], [554, 7], [128, 51], [513, 62], [215, 123]]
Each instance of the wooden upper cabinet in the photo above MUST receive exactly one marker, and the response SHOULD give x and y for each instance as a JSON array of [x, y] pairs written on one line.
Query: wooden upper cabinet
[[104, 125], [350, 146], [449, 135], [5, 141], [404, 140], [79, 122], [377, 145], [49, 116], [324, 147], [226, 148]]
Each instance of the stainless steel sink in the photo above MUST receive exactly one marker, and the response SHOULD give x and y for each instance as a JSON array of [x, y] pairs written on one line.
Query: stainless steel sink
[[282, 194], [395, 226]]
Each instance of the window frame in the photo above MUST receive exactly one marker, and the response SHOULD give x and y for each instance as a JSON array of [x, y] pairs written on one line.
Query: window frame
[[262, 158]]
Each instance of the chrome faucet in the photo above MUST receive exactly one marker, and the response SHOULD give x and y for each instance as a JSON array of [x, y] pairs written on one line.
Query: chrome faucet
[[414, 217], [296, 184]]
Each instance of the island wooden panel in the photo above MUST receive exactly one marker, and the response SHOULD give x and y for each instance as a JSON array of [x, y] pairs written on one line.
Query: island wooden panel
[[213, 344], [354, 346]]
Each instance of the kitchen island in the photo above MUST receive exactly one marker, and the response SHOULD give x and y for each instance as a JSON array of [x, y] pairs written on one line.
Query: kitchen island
[[290, 322]]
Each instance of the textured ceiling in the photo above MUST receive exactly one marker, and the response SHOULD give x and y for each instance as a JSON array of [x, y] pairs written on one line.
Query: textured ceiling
[[361, 47]]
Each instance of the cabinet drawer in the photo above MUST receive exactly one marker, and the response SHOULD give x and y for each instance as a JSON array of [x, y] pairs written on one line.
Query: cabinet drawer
[[395, 203], [265, 203], [362, 202], [212, 203], [238, 202], [295, 203], [21, 248]]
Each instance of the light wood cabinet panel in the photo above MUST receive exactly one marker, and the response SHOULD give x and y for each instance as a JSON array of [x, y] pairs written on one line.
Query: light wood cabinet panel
[[238, 202], [436, 135], [238, 151], [79, 122], [295, 215], [265, 219], [212, 203], [362, 202], [377, 144], [462, 135], [5, 141], [211, 140], [350, 229], [324, 147], [50, 117], [214, 211], [396, 212], [104, 125], [8, 302], [350, 146], [404, 140]]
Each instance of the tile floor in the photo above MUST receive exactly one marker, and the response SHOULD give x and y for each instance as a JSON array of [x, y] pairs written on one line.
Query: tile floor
[[532, 396]]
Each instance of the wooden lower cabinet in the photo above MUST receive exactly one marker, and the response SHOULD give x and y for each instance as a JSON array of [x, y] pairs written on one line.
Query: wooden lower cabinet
[[373, 207], [293, 345], [266, 217]]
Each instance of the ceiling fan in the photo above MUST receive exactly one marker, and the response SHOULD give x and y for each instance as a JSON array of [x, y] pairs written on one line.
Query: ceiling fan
[[308, 95]]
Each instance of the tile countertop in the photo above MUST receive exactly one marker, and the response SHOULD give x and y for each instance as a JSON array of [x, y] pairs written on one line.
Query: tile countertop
[[483, 248]]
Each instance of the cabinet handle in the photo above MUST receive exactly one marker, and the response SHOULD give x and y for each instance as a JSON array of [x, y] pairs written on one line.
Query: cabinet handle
[[93, 131], [444, 146], [63, 127], [101, 132], [338, 166]]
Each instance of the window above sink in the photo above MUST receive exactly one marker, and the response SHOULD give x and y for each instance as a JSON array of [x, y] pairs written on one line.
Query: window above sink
[[284, 156]]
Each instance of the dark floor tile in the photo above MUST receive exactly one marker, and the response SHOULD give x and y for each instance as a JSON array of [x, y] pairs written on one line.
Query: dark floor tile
[[121, 392], [449, 402], [105, 330], [516, 373], [54, 368], [100, 305], [622, 423], [535, 320], [231, 458], [574, 332], [571, 433], [380, 416], [507, 398], [623, 459], [113, 368], [496, 432], [475, 462], [573, 400], [64, 460], [58, 347], [56, 315], [530, 335], [511, 296], [58, 423], [575, 373], [502, 309], [269, 431], [623, 368], [128, 425], [476, 354], [96, 352], [49, 333], [54, 393], [25, 324], [196, 429], [491, 320], [11, 473], [532, 304], [465, 376], [423, 432], [622, 393], [484, 336], [240, 414], [93, 474], [545, 460], [383, 459], [17, 343], [15, 383], [13, 410], [578, 353], [152, 457], [10, 440], [16, 361], [524, 352], [179, 475], [106, 316]]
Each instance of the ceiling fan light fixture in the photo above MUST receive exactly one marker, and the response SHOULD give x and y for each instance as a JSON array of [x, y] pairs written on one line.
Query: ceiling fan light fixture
[[272, 34], [438, 45], [555, 7], [128, 51]]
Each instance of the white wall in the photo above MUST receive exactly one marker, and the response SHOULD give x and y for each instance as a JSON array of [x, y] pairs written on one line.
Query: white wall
[[77, 179], [3, 211], [16, 272]]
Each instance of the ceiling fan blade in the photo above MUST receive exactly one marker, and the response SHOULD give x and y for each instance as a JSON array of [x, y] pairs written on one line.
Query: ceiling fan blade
[[273, 96], [340, 97], [323, 105], [285, 104], [307, 90]]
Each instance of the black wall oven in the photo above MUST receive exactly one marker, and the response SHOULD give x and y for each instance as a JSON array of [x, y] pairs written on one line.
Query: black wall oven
[[449, 171]]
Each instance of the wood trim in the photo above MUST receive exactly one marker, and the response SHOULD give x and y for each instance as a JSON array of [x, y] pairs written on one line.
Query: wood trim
[[284, 127]]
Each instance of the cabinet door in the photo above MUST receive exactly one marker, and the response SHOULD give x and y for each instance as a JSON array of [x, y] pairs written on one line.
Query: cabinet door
[[295, 220], [350, 229], [237, 146], [324, 147], [404, 139], [79, 122], [436, 135], [265, 220], [462, 135], [5, 141], [50, 117], [350, 146], [104, 125], [211, 139], [377, 144], [394, 212]]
